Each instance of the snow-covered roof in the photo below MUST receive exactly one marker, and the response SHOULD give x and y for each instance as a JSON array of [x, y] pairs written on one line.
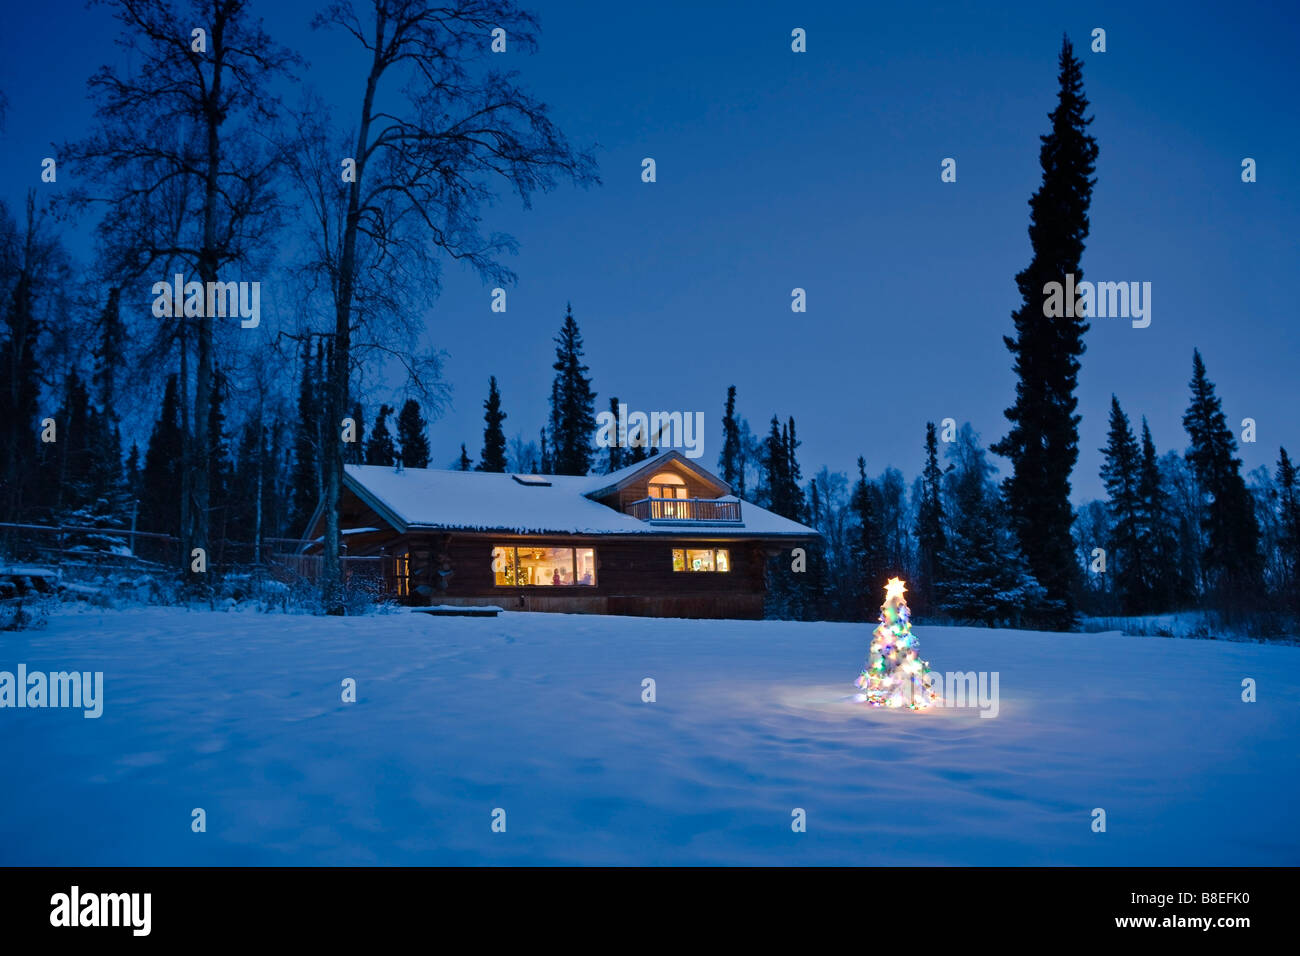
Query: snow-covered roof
[[481, 501], [604, 483]]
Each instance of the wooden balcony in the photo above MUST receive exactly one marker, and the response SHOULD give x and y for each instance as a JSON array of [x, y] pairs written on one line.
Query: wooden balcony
[[702, 510]]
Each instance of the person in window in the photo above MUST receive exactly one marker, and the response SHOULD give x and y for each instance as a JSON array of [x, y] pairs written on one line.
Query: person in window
[[555, 578]]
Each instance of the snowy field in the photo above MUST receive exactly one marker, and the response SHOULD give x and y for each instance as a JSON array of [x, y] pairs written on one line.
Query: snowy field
[[541, 715]]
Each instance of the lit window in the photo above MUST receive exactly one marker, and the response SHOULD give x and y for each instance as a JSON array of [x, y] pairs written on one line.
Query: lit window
[[544, 567], [706, 559], [667, 485], [504, 565], [402, 574]]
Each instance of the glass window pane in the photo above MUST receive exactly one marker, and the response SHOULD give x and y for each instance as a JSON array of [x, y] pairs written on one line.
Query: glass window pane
[[699, 560], [586, 559], [679, 559], [723, 562], [545, 567], [503, 566]]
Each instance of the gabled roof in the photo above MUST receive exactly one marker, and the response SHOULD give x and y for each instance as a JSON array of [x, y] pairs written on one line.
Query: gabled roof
[[608, 484], [480, 501]]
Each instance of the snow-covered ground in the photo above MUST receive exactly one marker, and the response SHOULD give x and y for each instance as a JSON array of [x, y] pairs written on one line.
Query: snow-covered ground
[[541, 715]]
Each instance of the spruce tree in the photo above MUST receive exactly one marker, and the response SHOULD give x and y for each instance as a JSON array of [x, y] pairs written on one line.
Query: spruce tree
[[465, 463], [793, 474], [76, 427], [1043, 443], [774, 466], [729, 459], [160, 504], [380, 449], [867, 571], [817, 577], [1156, 535], [1120, 475], [109, 358], [930, 538], [1231, 560], [220, 467], [985, 578], [573, 404], [20, 376], [638, 442], [493, 456], [244, 484], [411, 435], [1289, 519], [615, 461], [132, 475], [354, 451]]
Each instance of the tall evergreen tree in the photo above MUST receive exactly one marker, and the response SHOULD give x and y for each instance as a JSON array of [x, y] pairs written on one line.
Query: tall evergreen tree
[[1183, 492], [775, 462], [220, 465], [985, 578], [380, 449], [107, 480], [1043, 443], [793, 474], [865, 552], [132, 474], [465, 463], [1156, 534], [817, 577], [1231, 560], [160, 504], [638, 441], [493, 456], [411, 434], [77, 423], [616, 450], [930, 538], [354, 452], [729, 459], [1120, 474], [109, 357], [1289, 518], [35, 259], [573, 404]]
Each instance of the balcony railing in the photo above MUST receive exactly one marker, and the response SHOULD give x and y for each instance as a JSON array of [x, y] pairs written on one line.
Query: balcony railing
[[710, 510]]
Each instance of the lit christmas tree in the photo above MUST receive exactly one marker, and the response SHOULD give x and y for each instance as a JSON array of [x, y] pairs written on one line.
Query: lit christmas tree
[[895, 676]]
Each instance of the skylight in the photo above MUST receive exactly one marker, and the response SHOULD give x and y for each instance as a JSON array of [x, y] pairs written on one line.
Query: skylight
[[535, 481]]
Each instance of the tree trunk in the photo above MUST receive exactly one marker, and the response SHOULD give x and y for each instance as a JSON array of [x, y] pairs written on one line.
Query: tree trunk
[[336, 401]]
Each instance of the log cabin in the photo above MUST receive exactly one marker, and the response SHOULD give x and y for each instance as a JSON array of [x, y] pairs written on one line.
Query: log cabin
[[661, 538]]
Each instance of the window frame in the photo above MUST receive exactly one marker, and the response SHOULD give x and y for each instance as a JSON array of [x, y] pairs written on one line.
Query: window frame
[[686, 567], [679, 484], [402, 573], [512, 563]]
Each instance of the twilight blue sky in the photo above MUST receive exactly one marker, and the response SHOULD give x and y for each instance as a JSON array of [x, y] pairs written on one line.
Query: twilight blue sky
[[821, 170]]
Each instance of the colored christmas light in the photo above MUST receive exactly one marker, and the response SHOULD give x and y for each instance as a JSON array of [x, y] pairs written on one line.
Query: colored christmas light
[[895, 675]]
